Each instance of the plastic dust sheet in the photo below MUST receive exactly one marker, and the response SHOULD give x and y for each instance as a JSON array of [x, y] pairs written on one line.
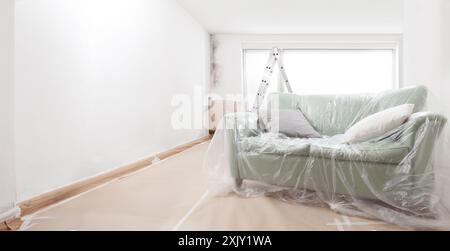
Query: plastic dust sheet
[[398, 177]]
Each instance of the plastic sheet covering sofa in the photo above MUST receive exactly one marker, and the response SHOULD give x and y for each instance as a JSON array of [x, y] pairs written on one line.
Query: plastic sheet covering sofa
[[389, 177]]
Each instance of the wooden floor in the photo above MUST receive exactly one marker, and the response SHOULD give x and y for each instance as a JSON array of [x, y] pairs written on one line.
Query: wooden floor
[[171, 195]]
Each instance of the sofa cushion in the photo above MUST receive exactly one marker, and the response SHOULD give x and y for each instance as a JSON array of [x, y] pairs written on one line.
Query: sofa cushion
[[378, 152], [385, 151], [274, 143], [378, 124], [292, 123]]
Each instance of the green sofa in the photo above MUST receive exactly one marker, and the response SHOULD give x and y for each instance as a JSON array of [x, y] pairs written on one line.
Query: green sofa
[[393, 168]]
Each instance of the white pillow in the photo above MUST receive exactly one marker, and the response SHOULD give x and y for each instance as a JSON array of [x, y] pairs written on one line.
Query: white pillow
[[378, 124]]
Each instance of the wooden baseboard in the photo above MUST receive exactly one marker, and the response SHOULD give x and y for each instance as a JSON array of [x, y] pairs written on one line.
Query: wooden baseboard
[[9, 219], [14, 224], [44, 200], [11, 225], [3, 226]]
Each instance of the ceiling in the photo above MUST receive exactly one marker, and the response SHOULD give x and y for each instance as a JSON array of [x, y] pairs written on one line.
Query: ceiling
[[297, 16]]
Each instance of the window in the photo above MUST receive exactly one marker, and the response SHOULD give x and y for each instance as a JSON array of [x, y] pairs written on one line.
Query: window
[[325, 71]]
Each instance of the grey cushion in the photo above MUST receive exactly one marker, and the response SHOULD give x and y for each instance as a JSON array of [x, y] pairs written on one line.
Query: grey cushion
[[292, 123]]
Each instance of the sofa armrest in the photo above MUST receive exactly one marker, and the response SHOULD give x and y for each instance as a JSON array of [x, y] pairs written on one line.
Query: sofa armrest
[[419, 118], [236, 126], [418, 124], [421, 132]]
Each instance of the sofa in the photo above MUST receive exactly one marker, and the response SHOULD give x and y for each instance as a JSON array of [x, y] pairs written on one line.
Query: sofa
[[394, 168]]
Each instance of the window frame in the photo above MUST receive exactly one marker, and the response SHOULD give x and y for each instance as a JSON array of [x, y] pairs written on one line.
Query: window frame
[[393, 43]]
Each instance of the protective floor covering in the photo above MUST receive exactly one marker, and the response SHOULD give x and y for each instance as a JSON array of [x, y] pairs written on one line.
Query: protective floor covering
[[171, 195]]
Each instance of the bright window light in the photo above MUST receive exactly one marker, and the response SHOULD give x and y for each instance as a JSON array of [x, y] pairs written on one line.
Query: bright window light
[[313, 72]]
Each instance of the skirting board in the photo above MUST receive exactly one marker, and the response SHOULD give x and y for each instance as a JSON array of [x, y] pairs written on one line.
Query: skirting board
[[7, 217], [44, 200]]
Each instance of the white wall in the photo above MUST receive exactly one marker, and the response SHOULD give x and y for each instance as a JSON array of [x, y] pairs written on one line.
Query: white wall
[[94, 83], [7, 180], [422, 42], [445, 13], [427, 61]]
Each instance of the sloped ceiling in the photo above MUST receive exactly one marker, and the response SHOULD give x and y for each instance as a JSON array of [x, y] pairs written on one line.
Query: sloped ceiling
[[297, 16]]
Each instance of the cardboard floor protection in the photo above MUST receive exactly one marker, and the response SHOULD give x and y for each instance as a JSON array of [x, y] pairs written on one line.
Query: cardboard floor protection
[[171, 195]]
